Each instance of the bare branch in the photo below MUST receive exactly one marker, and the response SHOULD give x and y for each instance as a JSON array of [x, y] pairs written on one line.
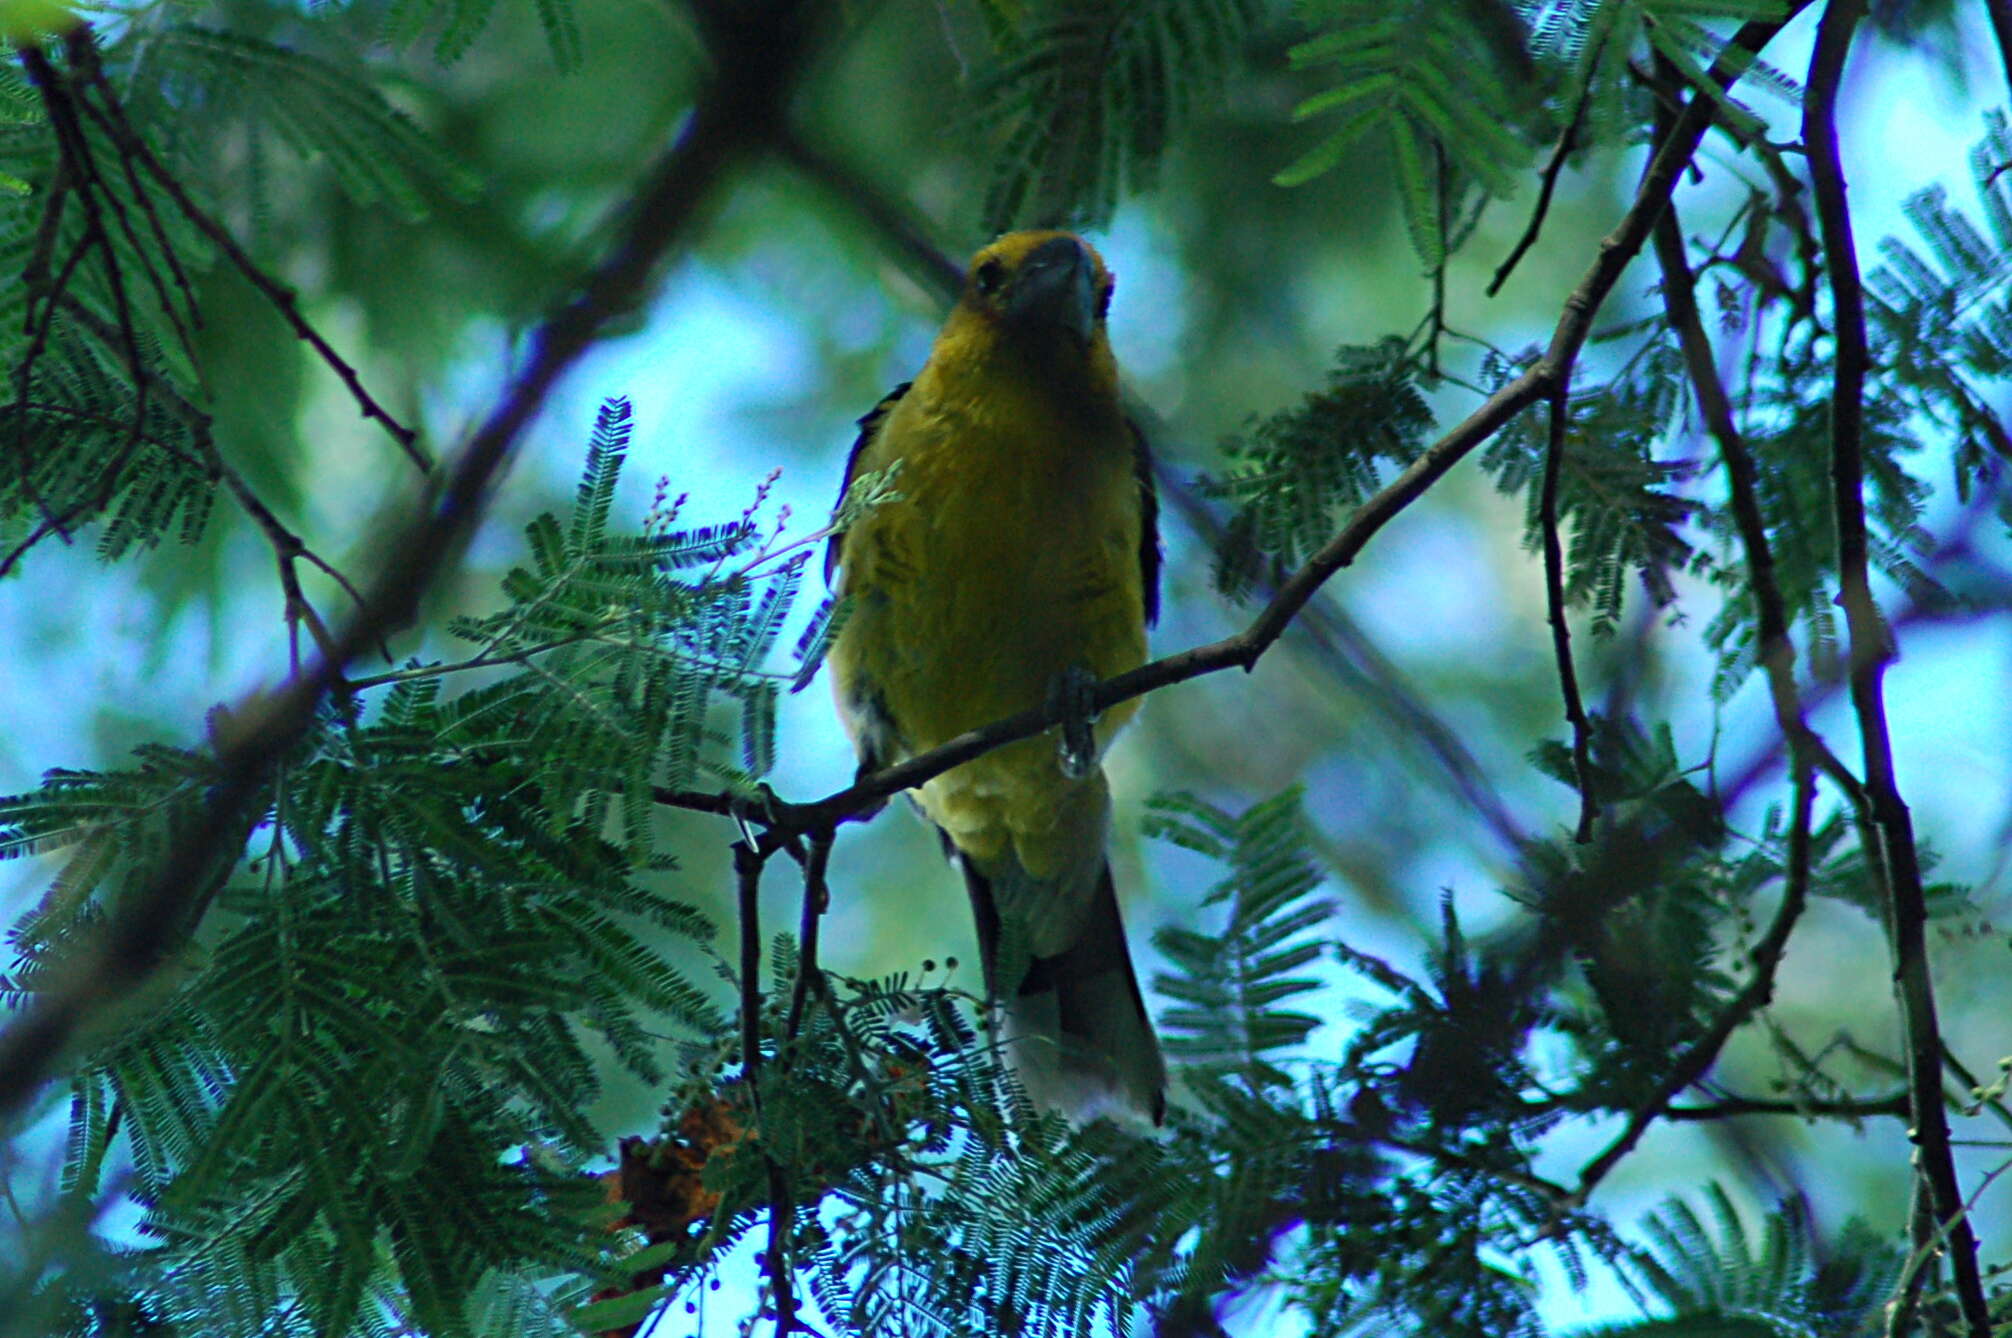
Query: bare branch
[[1893, 852], [1567, 142], [1777, 651], [747, 881], [1554, 605], [816, 900], [2001, 28], [1734, 1107]]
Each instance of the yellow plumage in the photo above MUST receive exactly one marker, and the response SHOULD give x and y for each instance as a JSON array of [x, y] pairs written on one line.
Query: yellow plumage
[[1020, 550]]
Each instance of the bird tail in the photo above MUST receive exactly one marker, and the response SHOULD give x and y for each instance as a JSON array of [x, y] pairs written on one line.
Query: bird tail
[[1074, 1026]]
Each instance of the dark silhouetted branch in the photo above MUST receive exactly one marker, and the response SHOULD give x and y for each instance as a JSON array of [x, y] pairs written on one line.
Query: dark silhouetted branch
[[1893, 852], [1547, 183], [816, 900], [1554, 607], [1776, 650], [1735, 1107]]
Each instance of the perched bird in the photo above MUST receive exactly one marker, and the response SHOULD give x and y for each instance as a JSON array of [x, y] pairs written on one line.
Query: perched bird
[[1019, 559]]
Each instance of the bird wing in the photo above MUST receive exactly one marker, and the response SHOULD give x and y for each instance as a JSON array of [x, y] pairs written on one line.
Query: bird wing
[[1149, 515], [869, 424], [1142, 472]]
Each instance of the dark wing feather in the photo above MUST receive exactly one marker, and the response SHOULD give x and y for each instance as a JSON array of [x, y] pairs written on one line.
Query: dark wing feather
[[869, 424], [1149, 521]]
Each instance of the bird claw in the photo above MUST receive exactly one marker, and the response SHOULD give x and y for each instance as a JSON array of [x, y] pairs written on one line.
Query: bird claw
[[760, 805], [1073, 693]]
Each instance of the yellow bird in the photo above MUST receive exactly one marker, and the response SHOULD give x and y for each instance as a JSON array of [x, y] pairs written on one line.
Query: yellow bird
[[1020, 560]]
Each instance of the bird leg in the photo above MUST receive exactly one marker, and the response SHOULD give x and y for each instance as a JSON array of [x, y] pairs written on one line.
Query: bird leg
[[1073, 693]]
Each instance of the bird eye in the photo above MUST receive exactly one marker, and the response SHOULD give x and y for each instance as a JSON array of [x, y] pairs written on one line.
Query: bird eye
[[989, 277], [1104, 291]]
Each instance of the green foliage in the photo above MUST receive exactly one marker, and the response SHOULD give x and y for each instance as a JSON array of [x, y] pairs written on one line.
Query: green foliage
[[1295, 472], [1940, 334], [92, 449], [1441, 87], [1719, 1278], [407, 992], [465, 20], [1615, 498], [1942, 320], [317, 108], [1231, 985], [1084, 98]]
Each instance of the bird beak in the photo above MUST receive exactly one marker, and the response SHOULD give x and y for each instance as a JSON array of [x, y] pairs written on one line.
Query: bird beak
[[1057, 286]]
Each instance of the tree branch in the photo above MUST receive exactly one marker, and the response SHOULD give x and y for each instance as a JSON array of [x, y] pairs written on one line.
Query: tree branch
[[1733, 1107], [786, 820], [1548, 183], [1894, 851], [1777, 650], [77, 170], [756, 56], [1554, 605], [816, 900], [287, 546]]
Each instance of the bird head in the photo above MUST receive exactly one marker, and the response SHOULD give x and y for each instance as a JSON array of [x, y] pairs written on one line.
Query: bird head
[[1041, 298], [1041, 285]]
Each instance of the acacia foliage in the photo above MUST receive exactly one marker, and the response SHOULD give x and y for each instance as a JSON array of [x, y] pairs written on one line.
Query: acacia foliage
[[356, 1100]]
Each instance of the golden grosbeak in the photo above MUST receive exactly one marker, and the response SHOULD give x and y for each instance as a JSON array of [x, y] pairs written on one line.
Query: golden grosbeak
[[1020, 558]]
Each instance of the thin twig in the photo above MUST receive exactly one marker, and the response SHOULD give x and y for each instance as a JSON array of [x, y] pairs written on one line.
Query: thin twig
[[80, 168], [1567, 141], [1776, 649], [936, 269], [1348, 652], [748, 864], [1893, 852], [83, 53], [1996, 1105], [287, 546], [1734, 1107], [781, 1270], [1908, 1286], [145, 203], [1554, 605], [816, 900]]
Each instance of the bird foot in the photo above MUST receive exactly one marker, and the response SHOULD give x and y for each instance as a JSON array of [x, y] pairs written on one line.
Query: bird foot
[[1073, 693]]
